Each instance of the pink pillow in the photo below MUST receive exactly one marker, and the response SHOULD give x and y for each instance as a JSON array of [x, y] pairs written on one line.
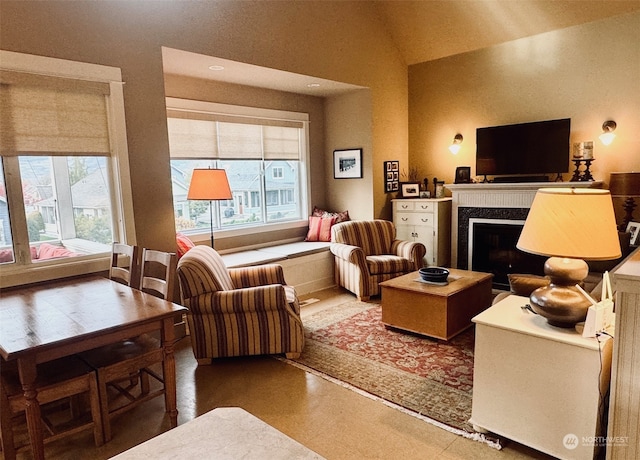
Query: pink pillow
[[6, 255], [183, 243], [50, 251], [320, 228]]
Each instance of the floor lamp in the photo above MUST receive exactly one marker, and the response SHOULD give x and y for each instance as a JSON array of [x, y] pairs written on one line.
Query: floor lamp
[[209, 185]]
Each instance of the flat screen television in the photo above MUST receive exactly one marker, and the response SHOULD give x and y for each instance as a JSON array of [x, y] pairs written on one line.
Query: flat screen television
[[531, 149]]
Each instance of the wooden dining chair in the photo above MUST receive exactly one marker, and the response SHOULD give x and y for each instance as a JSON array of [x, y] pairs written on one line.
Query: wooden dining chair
[[157, 273], [124, 369], [62, 380], [124, 264]]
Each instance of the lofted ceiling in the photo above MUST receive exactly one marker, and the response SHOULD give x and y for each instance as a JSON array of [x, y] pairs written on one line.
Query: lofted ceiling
[[423, 30]]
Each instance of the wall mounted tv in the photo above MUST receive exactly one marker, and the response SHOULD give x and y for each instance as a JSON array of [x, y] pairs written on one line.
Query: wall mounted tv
[[528, 149]]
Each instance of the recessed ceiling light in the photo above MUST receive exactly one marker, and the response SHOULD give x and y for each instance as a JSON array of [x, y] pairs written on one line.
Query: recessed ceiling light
[[216, 67], [313, 85]]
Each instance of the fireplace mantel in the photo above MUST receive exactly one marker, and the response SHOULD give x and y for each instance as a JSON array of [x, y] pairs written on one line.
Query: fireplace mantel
[[517, 196]]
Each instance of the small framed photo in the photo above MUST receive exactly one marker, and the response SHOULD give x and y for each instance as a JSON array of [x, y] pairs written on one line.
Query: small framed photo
[[391, 176], [634, 229], [347, 164], [463, 175], [410, 190], [425, 194]]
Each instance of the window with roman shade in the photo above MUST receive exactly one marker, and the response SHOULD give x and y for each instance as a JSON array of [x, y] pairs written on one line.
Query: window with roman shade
[[61, 140], [263, 152]]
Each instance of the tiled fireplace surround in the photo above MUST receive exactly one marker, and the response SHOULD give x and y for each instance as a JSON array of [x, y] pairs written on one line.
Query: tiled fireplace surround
[[491, 203]]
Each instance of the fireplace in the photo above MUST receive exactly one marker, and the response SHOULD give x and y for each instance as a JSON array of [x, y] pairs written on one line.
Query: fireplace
[[487, 240], [493, 214], [493, 250]]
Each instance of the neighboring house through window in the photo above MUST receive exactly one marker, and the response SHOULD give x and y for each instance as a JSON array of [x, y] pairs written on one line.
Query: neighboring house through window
[[264, 153]]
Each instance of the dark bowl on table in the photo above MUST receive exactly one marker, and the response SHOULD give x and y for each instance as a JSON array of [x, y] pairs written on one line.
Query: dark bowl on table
[[434, 274]]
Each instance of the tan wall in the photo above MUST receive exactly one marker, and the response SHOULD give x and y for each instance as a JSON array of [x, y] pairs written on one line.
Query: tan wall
[[348, 127], [333, 40], [589, 73]]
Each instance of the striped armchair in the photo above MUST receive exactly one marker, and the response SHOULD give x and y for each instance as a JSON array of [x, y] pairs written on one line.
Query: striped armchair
[[238, 312], [367, 253]]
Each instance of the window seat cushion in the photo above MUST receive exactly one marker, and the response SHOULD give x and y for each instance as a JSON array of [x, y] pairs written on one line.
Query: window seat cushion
[[273, 254]]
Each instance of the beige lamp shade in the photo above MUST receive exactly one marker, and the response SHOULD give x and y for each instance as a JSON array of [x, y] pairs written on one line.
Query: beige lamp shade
[[209, 184], [573, 223], [624, 184]]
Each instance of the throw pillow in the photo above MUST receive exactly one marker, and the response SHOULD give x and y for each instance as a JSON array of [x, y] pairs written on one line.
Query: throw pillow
[[320, 228], [340, 216], [183, 244], [524, 285], [6, 255], [50, 251]]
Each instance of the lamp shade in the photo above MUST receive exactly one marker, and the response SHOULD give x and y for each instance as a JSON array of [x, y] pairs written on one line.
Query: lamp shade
[[573, 223], [209, 184], [624, 184]]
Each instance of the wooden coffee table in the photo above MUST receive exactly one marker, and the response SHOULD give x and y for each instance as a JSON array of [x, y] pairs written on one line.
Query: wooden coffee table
[[440, 311]]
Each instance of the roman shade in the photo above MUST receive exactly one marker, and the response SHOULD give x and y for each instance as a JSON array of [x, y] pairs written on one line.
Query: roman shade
[[42, 114], [195, 134]]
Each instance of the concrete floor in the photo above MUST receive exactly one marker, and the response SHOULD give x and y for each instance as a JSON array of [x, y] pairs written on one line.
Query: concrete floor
[[335, 422]]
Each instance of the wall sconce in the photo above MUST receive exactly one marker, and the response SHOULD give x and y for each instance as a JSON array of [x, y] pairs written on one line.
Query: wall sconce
[[455, 146], [608, 135]]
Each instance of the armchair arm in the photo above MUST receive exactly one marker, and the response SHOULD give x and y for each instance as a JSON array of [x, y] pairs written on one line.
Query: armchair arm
[[411, 250], [352, 254], [259, 275], [252, 299]]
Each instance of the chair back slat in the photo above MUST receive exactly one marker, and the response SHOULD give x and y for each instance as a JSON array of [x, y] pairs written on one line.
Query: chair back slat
[[157, 273], [124, 273]]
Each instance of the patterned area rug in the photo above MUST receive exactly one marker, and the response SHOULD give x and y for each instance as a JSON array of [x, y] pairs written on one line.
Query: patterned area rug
[[430, 378]]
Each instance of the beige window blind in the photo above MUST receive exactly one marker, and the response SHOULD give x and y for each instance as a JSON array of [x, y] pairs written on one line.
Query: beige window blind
[[52, 115], [222, 136]]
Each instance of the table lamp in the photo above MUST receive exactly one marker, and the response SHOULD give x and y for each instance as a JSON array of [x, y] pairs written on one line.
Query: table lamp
[[625, 185], [209, 185], [569, 225]]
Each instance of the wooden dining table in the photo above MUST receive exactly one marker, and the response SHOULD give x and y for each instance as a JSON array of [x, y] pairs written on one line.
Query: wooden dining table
[[46, 321]]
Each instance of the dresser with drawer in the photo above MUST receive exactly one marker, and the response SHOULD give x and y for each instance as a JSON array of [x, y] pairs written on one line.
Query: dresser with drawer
[[427, 221]]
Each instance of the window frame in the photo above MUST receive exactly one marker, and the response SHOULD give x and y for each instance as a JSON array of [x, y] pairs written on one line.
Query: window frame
[[203, 235], [23, 271]]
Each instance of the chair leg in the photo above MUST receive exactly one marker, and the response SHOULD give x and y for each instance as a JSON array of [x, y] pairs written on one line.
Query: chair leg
[[104, 405], [96, 414], [364, 298], [204, 361], [6, 427], [144, 382]]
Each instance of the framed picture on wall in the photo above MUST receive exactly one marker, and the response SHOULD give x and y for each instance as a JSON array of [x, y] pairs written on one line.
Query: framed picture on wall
[[391, 176], [347, 164]]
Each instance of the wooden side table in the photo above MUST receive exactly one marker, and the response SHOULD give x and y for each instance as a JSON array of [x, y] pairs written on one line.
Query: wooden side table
[[539, 385]]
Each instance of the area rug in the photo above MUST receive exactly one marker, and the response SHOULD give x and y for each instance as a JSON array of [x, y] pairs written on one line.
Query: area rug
[[428, 378]]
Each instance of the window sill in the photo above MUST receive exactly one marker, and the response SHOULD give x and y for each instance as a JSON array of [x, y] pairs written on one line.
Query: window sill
[[16, 275]]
